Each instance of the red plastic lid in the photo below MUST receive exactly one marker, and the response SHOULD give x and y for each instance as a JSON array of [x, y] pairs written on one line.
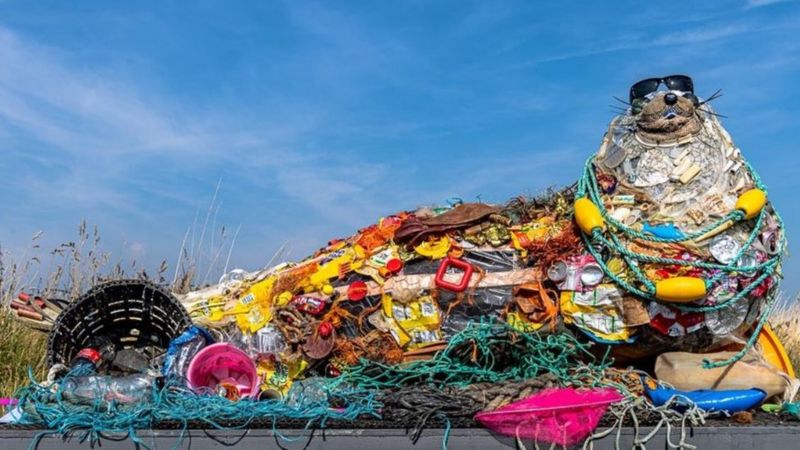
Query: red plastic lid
[[357, 291], [89, 354], [394, 265]]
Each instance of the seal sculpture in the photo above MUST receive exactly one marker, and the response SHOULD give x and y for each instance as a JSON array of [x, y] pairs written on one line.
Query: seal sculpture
[[666, 242]]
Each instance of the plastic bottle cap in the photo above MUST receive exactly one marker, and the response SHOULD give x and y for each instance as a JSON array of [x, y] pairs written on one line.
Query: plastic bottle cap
[[88, 354], [357, 291], [327, 289], [325, 329], [394, 265]]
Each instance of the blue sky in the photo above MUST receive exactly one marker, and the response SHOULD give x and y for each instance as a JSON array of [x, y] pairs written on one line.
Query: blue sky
[[319, 117]]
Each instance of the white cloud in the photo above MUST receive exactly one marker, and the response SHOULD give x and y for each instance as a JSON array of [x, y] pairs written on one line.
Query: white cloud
[[703, 34], [759, 3], [638, 41], [99, 125], [41, 94], [114, 147]]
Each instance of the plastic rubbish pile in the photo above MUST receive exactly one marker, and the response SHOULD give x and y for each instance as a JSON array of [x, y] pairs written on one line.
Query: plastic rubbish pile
[[524, 316]]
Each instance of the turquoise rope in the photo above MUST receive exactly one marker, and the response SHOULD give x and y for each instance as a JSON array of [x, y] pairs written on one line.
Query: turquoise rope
[[176, 402], [679, 262], [588, 187], [594, 194], [762, 320]]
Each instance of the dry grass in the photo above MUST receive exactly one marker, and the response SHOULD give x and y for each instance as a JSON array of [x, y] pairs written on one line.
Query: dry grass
[[785, 323], [71, 268], [20, 349]]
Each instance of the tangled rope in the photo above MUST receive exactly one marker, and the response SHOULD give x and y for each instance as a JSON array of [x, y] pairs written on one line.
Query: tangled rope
[[640, 408], [420, 404], [490, 396], [486, 366], [49, 406], [483, 352]]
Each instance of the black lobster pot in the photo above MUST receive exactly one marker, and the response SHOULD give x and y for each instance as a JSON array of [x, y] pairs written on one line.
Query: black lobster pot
[[130, 314]]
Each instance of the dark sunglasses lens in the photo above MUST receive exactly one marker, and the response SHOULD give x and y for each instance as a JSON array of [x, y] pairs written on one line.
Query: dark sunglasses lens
[[679, 83], [643, 88]]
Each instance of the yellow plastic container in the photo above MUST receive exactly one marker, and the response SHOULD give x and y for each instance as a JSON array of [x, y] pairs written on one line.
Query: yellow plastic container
[[751, 202], [681, 289], [588, 216], [774, 352]]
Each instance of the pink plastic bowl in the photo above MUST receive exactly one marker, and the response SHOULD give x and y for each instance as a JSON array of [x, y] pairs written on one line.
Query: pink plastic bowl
[[563, 416], [223, 362]]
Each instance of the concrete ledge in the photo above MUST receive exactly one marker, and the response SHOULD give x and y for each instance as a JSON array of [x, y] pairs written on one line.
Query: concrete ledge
[[711, 438]]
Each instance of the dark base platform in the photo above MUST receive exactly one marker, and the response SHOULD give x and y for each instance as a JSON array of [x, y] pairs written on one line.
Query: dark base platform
[[711, 438]]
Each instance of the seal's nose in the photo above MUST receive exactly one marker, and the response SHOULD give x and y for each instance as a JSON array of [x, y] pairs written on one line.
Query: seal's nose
[[670, 98]]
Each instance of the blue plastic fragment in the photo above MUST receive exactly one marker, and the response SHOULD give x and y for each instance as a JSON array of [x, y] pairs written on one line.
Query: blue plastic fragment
[[729, 401], [664, 231], [183, 347]]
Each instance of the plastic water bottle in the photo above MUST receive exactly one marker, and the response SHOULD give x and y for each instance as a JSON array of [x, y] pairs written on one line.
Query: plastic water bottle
[[106, 389]]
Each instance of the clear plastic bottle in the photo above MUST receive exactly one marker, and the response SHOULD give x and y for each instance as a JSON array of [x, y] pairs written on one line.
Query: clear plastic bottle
[[106, 389]]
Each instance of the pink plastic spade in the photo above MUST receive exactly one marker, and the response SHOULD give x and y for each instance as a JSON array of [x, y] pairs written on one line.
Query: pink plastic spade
[[564, 416], [223, 364]]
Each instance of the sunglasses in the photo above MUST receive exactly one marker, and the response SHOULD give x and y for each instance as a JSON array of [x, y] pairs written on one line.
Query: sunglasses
[[672, 82]]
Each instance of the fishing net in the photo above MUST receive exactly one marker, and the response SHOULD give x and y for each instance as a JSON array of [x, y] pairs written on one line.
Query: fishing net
[[483, 352], [54, 407]]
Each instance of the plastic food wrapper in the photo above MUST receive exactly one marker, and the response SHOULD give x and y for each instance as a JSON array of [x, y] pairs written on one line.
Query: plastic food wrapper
[[598, 313]]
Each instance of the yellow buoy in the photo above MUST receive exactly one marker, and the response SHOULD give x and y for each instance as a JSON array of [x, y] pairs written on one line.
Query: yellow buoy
[[681, 289], [588, 216], [751, 202]]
